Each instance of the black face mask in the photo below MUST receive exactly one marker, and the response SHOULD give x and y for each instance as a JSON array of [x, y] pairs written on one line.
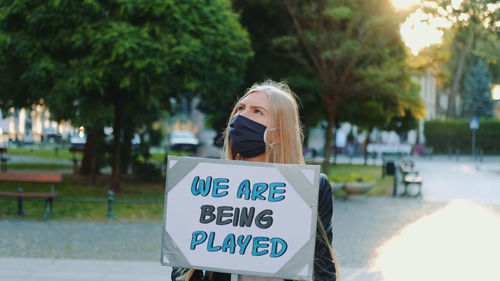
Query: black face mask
[[247, 137]]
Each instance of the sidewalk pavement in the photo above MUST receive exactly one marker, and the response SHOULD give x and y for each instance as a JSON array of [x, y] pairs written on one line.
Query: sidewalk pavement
[[36, 269], [445, 180]]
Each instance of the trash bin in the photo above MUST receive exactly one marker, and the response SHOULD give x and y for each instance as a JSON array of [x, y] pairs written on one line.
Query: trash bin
[[390, 168]]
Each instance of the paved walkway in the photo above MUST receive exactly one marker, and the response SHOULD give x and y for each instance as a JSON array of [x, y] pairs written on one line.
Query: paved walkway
[[16, 158], [440, 236], [454, 231], [446, 179], [37, 269]]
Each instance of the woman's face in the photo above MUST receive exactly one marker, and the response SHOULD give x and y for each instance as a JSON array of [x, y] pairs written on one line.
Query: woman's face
[[255, 106]]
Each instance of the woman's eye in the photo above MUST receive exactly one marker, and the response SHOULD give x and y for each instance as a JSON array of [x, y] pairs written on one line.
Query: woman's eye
[[258, 112], [240, 108]]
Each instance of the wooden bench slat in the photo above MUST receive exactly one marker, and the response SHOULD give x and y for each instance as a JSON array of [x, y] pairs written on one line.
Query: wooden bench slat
[[28, 195], [31, 177]]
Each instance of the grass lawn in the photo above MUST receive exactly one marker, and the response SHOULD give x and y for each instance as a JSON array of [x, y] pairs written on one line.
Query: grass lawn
[[347, 172], [76, 186], [59, 154], [65, 154], [38, 166], [160, 157]]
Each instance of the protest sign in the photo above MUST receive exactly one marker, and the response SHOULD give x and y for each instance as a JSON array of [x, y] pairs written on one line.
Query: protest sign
[[241, 217]]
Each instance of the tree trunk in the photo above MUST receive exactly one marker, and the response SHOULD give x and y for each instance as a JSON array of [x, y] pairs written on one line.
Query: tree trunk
[[335, 150], [452, 112], [115, 174], [93, 166], [126, 146], [365, 147], [328, 140], [89, 152]]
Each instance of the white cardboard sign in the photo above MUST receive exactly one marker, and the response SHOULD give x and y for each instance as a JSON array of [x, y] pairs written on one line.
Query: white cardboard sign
[[240, 217]]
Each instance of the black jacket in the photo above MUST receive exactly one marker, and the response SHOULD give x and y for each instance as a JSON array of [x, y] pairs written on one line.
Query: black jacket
[[324, 266]]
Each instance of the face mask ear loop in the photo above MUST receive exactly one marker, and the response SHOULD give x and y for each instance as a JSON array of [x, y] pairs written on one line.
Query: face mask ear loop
[[271, 145], [265, 134]]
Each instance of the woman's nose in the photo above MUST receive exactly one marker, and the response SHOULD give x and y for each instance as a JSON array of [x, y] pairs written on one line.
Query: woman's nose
[[244, 113]]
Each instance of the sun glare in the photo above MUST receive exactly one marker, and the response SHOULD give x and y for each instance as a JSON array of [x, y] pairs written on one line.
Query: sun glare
[[415, 32], [496, 92], [458, 242], [421, 30], [404, 4]]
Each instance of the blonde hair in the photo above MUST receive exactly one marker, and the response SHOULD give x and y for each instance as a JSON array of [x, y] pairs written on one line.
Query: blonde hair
[[285, 145]]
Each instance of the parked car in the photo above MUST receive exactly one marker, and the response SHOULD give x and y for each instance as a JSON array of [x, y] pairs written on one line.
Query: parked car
[[51, 135], [108, 137], [54, 138], [183, 141]]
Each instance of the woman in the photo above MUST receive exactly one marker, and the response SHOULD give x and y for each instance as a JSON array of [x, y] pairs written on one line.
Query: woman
[[265, 127]]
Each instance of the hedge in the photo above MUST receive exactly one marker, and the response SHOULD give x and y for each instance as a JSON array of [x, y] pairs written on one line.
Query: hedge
[[448, 135]]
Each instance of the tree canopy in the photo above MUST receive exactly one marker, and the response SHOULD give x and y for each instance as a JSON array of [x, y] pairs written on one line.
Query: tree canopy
[[476, 94], [474, 25], [354, 51], [96, 61]]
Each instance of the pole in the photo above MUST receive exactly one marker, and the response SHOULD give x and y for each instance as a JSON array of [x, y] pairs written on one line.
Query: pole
[[473, 143], [111, 198], [395, 184], [20, 211], [384, 166]]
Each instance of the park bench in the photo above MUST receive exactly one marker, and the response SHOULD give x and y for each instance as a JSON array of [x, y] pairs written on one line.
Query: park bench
[[48, 197], [413, 178], [410, 177], [3, 159], [407, 167]]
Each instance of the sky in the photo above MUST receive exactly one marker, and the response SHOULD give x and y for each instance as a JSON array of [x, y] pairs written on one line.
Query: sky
[[496, 92], [420, 30]]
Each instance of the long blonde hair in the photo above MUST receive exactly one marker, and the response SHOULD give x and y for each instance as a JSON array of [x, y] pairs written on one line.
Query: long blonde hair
[[285, 145]]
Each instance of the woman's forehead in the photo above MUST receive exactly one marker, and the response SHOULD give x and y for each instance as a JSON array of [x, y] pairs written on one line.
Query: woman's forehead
[[256, 99]]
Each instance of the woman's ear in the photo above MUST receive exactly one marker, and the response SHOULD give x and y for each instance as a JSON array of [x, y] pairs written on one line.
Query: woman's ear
[[272, 136]]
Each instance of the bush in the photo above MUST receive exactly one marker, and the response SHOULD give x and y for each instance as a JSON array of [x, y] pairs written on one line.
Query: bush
[[448, 135], [146, 171]]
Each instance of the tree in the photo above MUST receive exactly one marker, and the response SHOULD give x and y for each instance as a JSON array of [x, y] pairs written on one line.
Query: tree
[[385, 114], [476, 94], [352, 48], [471, 21], [487, 50], [264, 20], [271, 62], [97, 62]]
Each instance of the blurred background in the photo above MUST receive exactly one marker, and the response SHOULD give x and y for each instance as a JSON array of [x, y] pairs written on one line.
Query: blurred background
[[400, 103]]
